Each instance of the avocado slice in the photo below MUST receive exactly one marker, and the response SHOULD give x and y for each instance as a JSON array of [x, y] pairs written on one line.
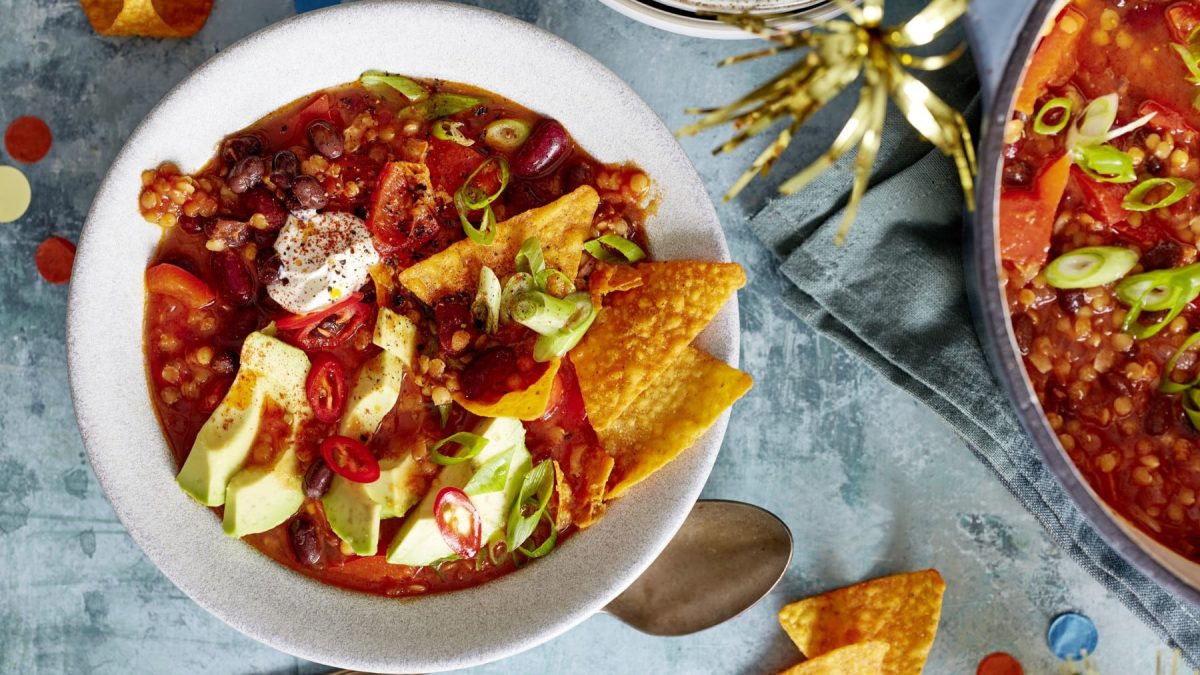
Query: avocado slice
[[492, 478], [261, 497], [355, 509], [270, 369]]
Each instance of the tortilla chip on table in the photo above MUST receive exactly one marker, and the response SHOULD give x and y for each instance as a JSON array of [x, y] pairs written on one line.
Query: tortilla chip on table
[[147, 18], [902, 610], [560, 226], [640, 332], [669, 416], [863, 658]]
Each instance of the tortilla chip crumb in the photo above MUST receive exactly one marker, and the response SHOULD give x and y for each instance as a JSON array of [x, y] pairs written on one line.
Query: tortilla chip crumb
[[560, 226], [642, 331], [668, 417], [902, 610], [864, 658]]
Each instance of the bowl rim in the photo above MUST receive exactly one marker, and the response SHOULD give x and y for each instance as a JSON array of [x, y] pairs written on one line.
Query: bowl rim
[[675, 19], [257, 611], [993, 316]]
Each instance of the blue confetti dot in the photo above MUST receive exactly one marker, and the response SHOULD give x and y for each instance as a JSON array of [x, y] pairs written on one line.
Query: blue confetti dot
[[1071, 634], [303, 6]]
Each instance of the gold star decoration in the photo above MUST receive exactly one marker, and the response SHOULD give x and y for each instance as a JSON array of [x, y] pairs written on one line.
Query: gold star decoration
[[837, 52]]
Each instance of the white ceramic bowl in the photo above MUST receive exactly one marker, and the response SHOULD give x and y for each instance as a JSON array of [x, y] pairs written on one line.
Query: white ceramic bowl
[[112, 401], [693, 17]]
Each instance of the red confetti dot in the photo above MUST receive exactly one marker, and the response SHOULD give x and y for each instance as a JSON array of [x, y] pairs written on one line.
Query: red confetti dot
[[999, 664], [54, 259], [27, 139]]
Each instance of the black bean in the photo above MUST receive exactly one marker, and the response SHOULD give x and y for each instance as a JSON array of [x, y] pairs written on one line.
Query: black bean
[[239, 147], [1159, 415], [247, 173], [194, 224], [284, 168], [326, 139], [1023, 331], [233, 280], [308, 193], [303, 535], [577, 175], [318, 479], [1153, 165], [1163, 255], [224, 363], [1071, 301], [1017, 173], [1117, 382]]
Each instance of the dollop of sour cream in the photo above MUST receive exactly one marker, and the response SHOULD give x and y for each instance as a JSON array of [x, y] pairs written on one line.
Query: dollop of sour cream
[[323, 258]]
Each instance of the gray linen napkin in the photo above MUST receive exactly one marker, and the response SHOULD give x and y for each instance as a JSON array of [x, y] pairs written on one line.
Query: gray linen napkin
[[894, 295]]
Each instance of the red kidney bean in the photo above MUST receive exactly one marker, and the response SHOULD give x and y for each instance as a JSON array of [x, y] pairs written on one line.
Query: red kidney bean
[[308, 193], [577, 175], [268, 270], [230, 233], [318, 479], [195, 224], [246, 174], [326, 139], [239, 147], [544, 151], [232, 279], [284, 168], [260, 200], [305, 545]]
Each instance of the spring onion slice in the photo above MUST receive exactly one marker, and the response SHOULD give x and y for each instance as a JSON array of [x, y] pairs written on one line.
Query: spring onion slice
[[443, 411], [1190, 60], [1095, 122], [517, 285], [444, 105], [542, 279], [530, 259], [1180, 187], [448, 130], [491, 477], [1132, 126], [541, 312], [1191, 407], [506, 134], [547, 545], [1157, 291], [475, 198], [1105, 163], [549, 347], [1039, 122], [487, 300], [629, 251], [411, 90], [1090, 266], [472, 445], [1169, 386], [538, 482], [483, 234]]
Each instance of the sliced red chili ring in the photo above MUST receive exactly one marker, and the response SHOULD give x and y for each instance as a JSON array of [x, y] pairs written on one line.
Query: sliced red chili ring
[[296, 321], [326, 388], [458, 522], [334, 329], [351, 459]]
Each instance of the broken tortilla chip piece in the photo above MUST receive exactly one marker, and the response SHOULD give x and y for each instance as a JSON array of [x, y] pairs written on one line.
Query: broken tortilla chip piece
[[642, 331], [606, 278], [526, 404], [147, 18], [902, 610], [668, 417], [560, 226], [864, 658]]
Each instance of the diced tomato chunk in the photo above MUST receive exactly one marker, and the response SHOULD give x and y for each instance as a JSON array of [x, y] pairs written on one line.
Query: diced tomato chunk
[[1166, 120], [293, 131], [180, 284], [1054, 61], [1102, 200], [451, 163], [1027, 216], [1183, 18]]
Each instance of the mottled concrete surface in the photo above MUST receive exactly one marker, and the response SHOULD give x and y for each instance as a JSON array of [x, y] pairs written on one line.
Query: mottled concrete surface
[[869, 481]]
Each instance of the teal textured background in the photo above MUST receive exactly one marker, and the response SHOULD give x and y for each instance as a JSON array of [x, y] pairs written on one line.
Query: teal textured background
[[869, 481]]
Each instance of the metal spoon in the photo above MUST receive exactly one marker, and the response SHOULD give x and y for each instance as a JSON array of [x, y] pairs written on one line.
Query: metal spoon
[[724, 559]]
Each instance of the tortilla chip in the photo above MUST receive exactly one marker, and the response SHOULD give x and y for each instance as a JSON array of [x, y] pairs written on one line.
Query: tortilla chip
[[526, 404], [607, 278], [591, 468], [902, 610], [668, 417], [642, 331], [149, 18], [864, 658], [560, 226]]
